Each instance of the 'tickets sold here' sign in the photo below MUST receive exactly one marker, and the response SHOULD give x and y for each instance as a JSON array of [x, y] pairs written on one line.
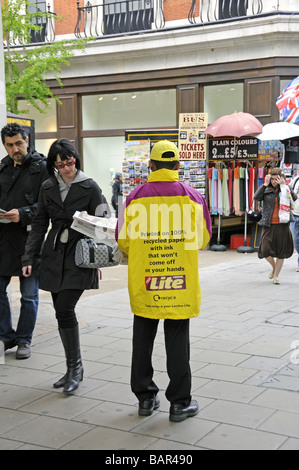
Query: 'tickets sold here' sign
[[192, 140]]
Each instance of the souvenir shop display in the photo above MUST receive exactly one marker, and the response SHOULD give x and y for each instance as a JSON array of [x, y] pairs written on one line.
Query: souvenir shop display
[[235, 168], [135, 168], [231, 189], [193, 173]]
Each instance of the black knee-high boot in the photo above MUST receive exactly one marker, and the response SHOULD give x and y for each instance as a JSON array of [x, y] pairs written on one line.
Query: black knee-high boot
[[70, 340]]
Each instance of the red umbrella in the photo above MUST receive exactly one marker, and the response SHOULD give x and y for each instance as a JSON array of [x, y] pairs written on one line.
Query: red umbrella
[[235, 125]]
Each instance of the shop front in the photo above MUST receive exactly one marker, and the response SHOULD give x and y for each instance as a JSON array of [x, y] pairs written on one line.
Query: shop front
[[95, 113]]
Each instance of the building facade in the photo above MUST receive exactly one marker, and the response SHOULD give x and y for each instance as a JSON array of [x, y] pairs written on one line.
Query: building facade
[[151, 60]]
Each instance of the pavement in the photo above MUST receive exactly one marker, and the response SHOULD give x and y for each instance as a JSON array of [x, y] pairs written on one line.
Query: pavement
[[244, 358]]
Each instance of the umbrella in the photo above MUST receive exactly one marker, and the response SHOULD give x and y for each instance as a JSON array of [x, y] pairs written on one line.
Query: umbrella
[[234, 125], [279, 131], [288, 102]]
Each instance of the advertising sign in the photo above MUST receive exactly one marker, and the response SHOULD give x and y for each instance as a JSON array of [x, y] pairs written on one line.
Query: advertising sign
[[192, 140], [270, 150], [232, 148]]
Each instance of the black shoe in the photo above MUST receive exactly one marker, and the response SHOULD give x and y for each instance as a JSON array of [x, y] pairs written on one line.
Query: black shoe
[[180, 412], [146, 407], [9, 345]]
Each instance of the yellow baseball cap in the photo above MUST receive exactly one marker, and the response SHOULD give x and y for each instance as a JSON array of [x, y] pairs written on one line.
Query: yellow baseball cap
[[165, 151]]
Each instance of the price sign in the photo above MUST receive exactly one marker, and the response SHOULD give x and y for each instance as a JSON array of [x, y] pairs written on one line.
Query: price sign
[[231, 148]]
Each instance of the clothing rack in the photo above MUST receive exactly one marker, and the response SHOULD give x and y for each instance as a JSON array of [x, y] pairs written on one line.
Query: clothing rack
[[218, 246], [231, 188]]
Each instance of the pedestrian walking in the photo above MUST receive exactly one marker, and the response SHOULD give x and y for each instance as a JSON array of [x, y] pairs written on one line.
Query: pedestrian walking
[[276, 240], [117, 193], [22, 172], [66, 191], [161, 227]]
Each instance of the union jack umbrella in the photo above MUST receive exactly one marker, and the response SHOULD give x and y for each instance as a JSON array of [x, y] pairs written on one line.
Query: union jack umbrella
[[288, 102]]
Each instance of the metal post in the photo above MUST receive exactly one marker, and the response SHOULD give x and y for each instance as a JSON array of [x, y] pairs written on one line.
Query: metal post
[[218, 246]]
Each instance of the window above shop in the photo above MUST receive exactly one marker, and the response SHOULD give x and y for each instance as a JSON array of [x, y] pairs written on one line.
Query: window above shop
[[133, 110]]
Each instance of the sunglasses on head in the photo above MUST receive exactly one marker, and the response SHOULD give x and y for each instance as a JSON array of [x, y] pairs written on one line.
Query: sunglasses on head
[[61, 165]]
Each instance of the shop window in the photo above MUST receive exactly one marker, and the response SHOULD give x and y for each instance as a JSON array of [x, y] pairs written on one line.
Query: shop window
[[102, 157], [231, 9], [134, 110], [43, 122], [122, 16], [284, 83], [43, 145], [220, 100]]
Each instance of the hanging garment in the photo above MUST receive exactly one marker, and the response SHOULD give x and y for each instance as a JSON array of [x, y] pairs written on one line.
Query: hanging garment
[[230, 189], [210, 175], [242, 189], [220, 204], [246, 190], [251, 187], [225, 197], [215, 191]]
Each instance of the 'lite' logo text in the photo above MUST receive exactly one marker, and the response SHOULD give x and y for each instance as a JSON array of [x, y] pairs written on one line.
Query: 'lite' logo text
[[165, 283]]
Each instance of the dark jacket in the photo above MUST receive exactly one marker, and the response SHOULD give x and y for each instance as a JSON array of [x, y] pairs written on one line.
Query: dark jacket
[[267, 195], [116, 192], [58, 270], [19, 189]]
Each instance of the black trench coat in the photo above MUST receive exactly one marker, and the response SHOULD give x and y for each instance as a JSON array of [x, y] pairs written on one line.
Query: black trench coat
[[58, 270]]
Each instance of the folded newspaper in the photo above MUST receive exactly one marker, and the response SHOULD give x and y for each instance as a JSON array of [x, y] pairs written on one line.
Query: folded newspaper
[[99, 228], [4, 221]]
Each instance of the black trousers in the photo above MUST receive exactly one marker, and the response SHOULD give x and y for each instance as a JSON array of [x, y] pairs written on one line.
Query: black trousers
[[177, 345], [64, 304]]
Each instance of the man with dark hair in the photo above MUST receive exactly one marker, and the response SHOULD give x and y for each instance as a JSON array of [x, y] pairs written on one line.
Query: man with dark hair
[[161, 228], [22, 172]]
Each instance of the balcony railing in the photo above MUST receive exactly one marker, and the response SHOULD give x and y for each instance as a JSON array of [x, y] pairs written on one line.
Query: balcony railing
[[45, 31], [117, 17], [100, 18], [128, 16]]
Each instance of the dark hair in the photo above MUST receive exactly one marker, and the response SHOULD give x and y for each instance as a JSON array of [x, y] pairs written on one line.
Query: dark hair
[[165, 165], [10, 130], [65, 150]]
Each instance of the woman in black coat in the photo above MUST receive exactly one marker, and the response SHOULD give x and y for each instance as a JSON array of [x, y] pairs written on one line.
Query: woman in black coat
[[66, 191]]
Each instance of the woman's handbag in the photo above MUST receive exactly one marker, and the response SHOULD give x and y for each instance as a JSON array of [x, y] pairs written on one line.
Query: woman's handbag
[[254, 216], [94, 254]]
